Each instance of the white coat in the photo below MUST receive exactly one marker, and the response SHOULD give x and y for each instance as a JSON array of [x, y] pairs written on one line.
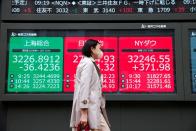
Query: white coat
[[88, 94]]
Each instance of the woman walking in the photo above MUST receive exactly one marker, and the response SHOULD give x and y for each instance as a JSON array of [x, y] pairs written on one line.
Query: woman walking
[[88, 102]]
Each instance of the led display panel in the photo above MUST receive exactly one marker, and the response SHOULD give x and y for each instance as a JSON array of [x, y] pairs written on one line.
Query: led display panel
[[35, 64], [108, 64], [135, 61], [102, 6], [98, 10], [146, 64], [193, 59]]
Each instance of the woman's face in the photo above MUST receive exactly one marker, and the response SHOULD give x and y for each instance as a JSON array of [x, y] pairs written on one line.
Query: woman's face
[[96, 52]]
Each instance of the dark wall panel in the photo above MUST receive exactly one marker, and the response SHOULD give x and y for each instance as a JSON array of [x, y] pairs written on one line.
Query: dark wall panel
[[1, 117], [38, 116], [124, 116], [151, 116], [189, 116]]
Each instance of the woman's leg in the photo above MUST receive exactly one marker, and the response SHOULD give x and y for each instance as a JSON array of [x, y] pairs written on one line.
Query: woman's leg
[[104, 125]]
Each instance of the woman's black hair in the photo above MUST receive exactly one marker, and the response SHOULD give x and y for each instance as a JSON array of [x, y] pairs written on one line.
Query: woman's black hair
[[86, 50]]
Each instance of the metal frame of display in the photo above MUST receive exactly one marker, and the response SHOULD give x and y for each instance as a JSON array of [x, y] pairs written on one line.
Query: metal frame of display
[[177, 96]]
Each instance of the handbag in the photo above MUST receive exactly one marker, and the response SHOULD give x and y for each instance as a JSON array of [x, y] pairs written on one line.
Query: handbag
[[81, 128]]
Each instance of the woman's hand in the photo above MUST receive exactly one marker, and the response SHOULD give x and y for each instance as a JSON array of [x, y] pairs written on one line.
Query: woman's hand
[[83, 118]]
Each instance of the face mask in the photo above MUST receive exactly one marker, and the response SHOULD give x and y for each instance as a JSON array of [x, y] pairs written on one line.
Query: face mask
[[100, 54]]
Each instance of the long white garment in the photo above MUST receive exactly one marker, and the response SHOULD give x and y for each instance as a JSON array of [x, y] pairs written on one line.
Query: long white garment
[[87, 94]]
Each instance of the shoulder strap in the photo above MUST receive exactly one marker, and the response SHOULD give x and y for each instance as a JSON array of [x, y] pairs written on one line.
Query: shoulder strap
[[97, 68]]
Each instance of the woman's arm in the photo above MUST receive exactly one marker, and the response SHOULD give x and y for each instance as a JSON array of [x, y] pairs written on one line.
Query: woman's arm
[[85, 80], [86, 75]]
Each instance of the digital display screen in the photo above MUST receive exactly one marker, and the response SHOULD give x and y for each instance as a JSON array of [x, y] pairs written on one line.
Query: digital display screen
[[146, 64], [193, 59], [35, 64], [102, 6], [108, 64], [135, 61]]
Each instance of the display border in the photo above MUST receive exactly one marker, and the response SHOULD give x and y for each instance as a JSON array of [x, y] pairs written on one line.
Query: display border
[[179, 95], [189, 95]]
